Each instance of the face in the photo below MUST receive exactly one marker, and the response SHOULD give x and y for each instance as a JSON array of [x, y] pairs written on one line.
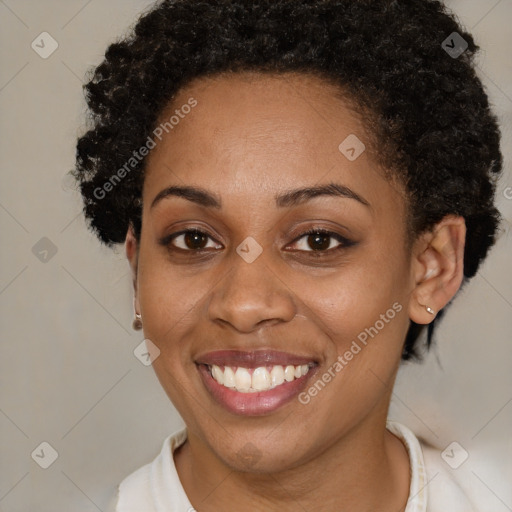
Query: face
[[274, 343]]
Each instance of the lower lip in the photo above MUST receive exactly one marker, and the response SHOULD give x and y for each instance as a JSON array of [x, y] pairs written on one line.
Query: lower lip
[[257, 403]]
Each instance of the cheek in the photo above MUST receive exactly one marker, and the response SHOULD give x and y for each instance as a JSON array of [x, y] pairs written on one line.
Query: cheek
[[363, 311], [171, 302], [170, 307], [366, 325], [355, 298], [366, 313]]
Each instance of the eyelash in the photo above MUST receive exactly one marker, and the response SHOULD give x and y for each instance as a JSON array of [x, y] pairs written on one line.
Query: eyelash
[[344, 242]]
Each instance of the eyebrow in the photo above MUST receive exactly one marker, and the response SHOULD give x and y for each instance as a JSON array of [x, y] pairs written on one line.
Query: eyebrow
[[287, 199]]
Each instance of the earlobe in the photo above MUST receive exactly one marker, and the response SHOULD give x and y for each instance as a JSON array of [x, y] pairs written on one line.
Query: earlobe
[[438, 266]]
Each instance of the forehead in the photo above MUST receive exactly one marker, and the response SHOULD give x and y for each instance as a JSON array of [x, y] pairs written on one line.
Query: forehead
[[250, 134]]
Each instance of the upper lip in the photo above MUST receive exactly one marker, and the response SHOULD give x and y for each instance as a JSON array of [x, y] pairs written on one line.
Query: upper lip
[[252, 358]]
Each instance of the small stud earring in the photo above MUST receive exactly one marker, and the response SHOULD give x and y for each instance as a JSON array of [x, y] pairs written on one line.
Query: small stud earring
[[137, 322], [430, 310]]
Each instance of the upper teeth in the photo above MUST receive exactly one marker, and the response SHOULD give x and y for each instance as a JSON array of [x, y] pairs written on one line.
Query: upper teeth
[[261, 378]]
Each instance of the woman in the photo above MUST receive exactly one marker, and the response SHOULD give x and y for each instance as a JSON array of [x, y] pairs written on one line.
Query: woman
[[302, 188]]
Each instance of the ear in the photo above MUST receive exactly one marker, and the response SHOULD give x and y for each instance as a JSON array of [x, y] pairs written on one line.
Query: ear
[[437, 267], [132, 253]]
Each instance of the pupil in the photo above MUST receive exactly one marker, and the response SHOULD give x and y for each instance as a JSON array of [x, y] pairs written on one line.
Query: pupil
[[316, 244], [193, 240]]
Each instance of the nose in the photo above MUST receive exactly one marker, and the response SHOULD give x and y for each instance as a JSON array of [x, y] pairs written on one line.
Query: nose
[[251, 296]]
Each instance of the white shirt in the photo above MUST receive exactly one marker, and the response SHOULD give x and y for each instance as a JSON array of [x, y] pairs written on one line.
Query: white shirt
[[156, 487]]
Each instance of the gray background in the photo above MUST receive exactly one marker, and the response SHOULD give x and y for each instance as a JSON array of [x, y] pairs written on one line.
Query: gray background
[[68, 373]]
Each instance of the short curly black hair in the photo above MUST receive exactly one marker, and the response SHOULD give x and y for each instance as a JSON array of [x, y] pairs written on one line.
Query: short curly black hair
[[398, 60]]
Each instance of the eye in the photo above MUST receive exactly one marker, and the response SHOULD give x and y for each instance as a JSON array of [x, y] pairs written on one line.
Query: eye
[[318, 241], [321, 241], [189, 240]]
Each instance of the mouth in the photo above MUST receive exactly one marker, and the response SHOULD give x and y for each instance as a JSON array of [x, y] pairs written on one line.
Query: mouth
[[254, 383]]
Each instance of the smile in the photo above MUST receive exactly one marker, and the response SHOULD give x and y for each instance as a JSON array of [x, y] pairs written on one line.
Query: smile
[[254, 383]]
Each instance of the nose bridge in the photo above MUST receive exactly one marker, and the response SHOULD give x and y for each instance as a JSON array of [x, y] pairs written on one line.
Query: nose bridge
[[251, 291]]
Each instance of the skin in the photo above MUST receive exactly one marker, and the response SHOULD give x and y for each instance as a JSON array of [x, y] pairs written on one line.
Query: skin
[[249, 138]]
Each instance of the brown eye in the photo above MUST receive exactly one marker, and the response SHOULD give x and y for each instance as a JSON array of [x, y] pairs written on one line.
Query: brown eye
[[321, 241], [191, 240]]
